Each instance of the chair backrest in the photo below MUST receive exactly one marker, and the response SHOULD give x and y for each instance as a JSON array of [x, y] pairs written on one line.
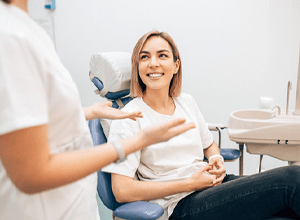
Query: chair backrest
[[104, 179], [110, 72]]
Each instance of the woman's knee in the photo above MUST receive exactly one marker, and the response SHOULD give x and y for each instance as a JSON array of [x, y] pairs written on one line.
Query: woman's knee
[[289, 174]]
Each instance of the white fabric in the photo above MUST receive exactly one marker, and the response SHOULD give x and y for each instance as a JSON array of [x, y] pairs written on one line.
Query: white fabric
[[36, 89], [113, 69], [176, 159]]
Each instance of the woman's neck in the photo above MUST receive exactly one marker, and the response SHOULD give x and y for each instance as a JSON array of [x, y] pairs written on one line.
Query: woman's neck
[[23, 4], [160, 102]]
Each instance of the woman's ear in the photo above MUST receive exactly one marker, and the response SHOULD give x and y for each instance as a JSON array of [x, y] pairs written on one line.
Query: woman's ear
[[176, 65]]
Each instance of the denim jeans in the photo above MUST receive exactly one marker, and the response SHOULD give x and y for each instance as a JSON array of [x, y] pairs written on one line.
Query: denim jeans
[[258, 196]]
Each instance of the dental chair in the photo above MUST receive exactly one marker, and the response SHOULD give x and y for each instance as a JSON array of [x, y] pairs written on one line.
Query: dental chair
[[110, 73], [115, 70], [135, 210]]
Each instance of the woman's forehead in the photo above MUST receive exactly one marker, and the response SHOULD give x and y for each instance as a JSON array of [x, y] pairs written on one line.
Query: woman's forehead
[[156, 42]]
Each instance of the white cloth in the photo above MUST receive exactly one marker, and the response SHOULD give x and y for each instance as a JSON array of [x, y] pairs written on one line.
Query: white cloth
[[36, 89], [174, 160]]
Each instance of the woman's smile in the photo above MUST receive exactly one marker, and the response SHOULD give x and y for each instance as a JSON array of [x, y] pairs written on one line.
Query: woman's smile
[[155, 75], [156, 64]]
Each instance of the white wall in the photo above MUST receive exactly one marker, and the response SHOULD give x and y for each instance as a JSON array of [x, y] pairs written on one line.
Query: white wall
[[233, 51]]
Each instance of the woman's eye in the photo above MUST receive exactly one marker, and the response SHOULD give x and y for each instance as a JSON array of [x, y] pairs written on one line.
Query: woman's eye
[[143, 57], [163, 55]]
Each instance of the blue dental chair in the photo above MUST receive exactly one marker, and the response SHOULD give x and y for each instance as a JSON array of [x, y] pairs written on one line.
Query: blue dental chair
[[119, 64], [114, 69], [135, 210]]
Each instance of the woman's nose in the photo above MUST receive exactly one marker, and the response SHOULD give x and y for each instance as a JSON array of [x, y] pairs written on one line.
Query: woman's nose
[[153, 62]]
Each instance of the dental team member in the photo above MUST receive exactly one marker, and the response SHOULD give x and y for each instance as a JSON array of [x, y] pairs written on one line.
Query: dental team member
[[173, 174], [47, 160]]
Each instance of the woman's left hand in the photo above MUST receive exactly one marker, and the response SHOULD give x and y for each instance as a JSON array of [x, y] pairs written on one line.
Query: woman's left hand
[[218, 169], [104, 110]]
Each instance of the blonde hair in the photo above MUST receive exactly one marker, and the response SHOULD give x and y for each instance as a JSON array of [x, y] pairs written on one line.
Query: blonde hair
[[137, 85]]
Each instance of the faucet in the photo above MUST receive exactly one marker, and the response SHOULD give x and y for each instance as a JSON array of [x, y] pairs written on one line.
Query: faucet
[[278, 109], [289, 87]]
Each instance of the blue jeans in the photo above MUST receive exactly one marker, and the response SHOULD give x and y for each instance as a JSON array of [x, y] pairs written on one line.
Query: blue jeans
[[258, 196]]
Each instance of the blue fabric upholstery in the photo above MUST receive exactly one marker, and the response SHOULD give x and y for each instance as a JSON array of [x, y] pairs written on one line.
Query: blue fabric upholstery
[[110, 95], [146, 211], [135, 210], [230, 154], [123, 100]]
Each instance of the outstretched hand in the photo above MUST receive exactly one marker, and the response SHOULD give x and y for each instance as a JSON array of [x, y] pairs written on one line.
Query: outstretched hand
[[104, 110], [165, 131]]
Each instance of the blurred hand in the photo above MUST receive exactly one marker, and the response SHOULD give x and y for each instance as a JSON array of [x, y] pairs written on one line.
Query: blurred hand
[[218, 169], [104, 110], [165, 131]]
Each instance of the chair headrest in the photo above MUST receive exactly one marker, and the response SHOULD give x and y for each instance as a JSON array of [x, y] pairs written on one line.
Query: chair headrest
[[111, 72]]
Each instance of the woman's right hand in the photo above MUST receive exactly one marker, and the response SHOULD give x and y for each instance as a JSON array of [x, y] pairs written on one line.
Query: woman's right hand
[[201, 179], [165, 131]]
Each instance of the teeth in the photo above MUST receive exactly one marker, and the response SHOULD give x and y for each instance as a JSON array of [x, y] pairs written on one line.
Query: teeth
[[155, 75]]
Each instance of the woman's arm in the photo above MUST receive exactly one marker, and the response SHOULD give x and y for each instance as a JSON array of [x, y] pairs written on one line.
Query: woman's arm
[[104, 110], [213, 149], [126, 189], [29, 164]]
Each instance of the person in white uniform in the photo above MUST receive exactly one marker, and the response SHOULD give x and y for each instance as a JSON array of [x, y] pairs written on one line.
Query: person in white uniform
[[47, 160], [173, 174]]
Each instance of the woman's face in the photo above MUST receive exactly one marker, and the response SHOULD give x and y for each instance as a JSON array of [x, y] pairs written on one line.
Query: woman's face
[[156, 64]]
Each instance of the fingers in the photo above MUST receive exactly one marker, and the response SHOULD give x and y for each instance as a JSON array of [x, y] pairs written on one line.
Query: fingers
[[177, 126], [134, 115], [219, 180], [206, 168], [219, 171], [108, 104]]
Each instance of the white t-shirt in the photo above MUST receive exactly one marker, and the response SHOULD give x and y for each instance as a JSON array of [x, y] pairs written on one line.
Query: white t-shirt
[[176, 159], [36, 89]]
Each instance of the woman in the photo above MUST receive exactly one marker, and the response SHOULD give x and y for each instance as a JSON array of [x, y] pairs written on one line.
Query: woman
[[48, 162], [173, 174]]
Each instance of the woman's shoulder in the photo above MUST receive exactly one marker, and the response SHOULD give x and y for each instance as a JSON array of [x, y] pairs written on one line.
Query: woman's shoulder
[[184, 97], [134, 105]]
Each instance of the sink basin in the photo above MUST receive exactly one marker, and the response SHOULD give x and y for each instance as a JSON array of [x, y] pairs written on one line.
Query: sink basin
[[266, 132], [253, 114]]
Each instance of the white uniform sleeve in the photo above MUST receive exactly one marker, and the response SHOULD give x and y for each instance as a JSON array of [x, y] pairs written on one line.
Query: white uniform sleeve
[[121, 129], [206, 135], [22, 92]]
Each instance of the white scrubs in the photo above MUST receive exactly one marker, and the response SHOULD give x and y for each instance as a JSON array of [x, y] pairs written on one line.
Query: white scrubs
[[36, 89]]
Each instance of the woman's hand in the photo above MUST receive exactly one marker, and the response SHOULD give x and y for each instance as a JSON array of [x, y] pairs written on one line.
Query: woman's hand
[[164, 131], [104, 110], [218, 169], [201, 179]]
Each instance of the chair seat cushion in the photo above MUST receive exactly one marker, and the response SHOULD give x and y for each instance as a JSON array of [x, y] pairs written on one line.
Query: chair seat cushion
[[139, 211]]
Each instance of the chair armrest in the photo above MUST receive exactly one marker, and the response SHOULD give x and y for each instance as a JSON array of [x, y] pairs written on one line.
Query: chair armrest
[[140, 210], [214, 126]]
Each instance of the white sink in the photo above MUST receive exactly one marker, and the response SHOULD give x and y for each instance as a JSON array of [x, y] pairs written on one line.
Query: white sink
[[265, 132], [253, 114]]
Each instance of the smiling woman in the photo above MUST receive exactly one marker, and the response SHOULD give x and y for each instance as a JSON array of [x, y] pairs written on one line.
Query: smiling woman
[[173, 174], [137, 85], [156, 65]]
